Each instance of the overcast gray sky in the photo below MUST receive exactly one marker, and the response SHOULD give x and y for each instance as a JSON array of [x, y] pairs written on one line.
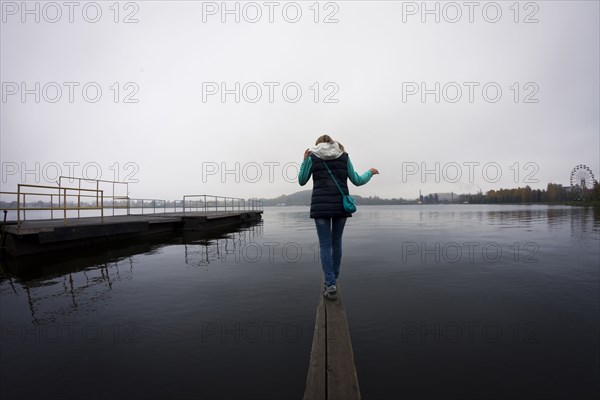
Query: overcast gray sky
[[517, 90]]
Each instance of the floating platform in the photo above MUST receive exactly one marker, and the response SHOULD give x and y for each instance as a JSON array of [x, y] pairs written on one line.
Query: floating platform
[[332, 372], [41, 236]]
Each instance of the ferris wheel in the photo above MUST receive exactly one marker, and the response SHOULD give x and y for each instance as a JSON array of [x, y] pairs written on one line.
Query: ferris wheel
[[583, 177]]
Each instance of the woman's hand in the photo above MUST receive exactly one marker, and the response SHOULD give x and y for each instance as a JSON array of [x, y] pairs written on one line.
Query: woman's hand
[[374, 171], [306, 153]]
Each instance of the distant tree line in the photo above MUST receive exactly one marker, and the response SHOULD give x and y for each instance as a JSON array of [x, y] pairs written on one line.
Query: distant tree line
[[376, 200], [554, 193]]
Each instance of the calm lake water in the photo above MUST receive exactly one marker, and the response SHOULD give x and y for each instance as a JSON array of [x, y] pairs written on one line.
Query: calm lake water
[[447, 301]]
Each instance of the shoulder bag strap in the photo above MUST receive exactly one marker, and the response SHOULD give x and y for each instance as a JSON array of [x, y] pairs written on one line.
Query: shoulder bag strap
[[334, 180]]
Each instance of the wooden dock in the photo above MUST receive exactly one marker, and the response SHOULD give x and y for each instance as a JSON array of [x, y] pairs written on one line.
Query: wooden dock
[[40, 236], [332, 372]]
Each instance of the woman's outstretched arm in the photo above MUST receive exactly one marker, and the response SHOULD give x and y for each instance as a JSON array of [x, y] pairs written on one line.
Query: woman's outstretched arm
[[305, 169], [357, 179]]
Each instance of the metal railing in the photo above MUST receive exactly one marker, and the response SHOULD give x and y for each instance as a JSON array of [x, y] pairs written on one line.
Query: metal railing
[[210, 203], [255, 205], [97, 182], [155, 205], [70, 199], [61, 195]]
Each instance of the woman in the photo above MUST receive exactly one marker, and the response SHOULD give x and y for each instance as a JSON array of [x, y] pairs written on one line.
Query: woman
[[326, 205]]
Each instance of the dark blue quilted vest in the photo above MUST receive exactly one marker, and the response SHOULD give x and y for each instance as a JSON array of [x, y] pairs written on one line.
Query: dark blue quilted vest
[[326, 201]]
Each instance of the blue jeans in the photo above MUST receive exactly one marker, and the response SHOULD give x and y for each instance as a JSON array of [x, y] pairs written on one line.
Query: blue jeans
[[330, 232]]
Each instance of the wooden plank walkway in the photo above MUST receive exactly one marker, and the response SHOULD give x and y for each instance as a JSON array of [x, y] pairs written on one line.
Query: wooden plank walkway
[[332, 372]]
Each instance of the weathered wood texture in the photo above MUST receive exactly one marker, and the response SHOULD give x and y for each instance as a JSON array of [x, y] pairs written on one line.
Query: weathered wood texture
[[332, 372], [316, 382]]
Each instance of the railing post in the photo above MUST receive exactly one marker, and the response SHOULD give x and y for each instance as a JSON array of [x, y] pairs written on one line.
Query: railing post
[[113, 198], [19, 205], [79, 198], [65, 206], [24, 206], [58, 194]]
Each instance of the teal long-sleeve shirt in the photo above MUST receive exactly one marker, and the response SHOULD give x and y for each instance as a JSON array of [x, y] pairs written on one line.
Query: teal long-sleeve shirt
[[306, 171]]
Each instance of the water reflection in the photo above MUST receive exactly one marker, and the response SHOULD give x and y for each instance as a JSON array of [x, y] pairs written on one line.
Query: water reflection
[[586, 218], [202, 252], [526, 215], [68, 284], [585, 222], [69, 293]]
